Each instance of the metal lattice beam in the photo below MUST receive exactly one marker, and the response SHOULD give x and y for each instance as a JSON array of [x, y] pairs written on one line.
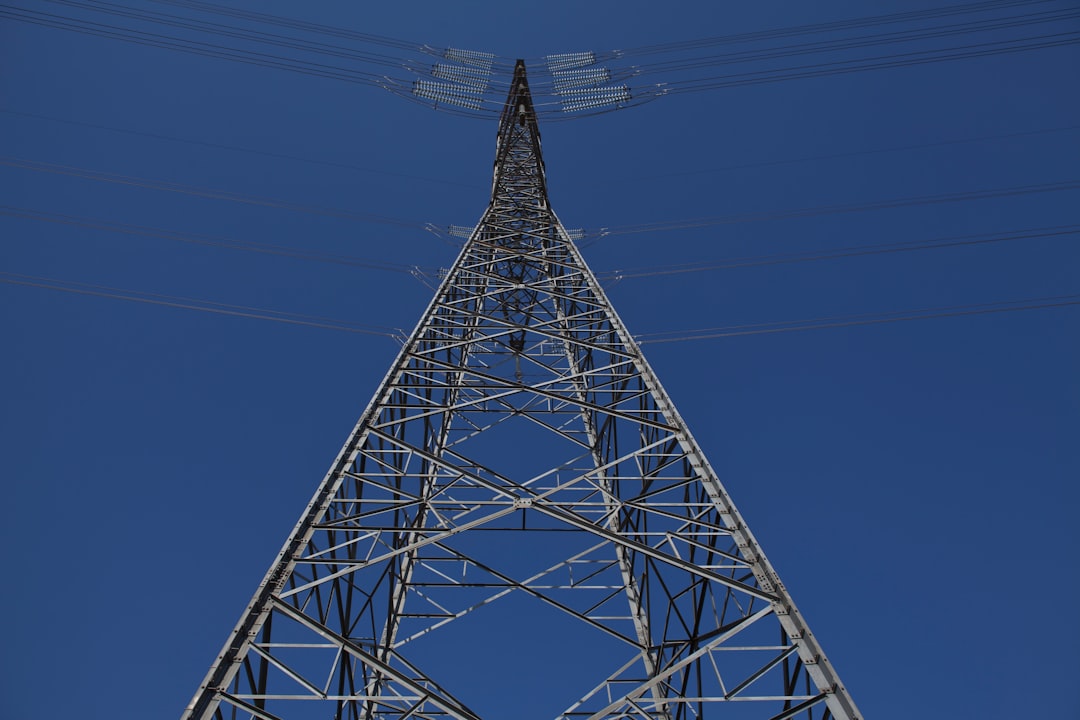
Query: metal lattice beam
[[521, 448]]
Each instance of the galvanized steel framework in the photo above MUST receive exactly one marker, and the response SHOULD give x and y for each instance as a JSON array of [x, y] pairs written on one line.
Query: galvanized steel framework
[[521, 447]]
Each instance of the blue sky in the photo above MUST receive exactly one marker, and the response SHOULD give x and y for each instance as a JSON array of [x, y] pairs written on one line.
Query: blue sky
[[914, 482]]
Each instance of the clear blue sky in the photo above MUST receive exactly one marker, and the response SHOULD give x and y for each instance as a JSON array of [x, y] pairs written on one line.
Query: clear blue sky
[[914, 482]]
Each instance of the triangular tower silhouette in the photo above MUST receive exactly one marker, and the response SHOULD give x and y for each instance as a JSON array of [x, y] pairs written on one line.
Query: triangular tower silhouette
[[521, 507]]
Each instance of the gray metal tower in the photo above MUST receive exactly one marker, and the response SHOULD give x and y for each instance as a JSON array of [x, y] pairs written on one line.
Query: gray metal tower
[[521, 513]]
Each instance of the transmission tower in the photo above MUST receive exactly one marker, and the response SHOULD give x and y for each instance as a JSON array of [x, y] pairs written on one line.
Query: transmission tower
[[521, 487]]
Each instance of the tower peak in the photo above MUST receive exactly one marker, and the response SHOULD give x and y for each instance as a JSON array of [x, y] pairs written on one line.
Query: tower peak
[[519, 162]]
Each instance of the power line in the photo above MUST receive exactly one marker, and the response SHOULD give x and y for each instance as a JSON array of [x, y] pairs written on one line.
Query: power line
[[639, 92], [235, 148], [836, 209], [837, 253], [358, 168], [819, 28], [231, 31], [281, 21], [427, 273], [212, 50], [483, 104], [600, 233], [397, 334], [859, 42], [843, 67], [208, 306], [212, 241], [858, 153], [841, 321], [202, 192]]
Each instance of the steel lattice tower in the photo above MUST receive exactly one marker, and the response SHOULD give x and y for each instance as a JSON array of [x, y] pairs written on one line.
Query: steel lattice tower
[[521, 453]]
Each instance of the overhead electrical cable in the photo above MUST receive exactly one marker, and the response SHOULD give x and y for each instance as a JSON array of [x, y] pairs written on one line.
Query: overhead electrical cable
[[646, 93], [211, 50], [238, 33], [214, 241], [196, 191], [832, 322], [597, 234], [859, 42], [842, 252], [634, 178], [842, 67], [855, 153], [425, 273], [456, 92], [826, 27], [842, 321], [188, 303], [815, 211], [818, 28], [671, 68], [294, 24], [236, 148]]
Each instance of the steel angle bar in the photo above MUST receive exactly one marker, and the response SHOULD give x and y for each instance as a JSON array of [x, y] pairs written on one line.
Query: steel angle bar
[[628, 396], [740, 562], [538, 389], [649, 551], [529, 411], [669, 459], [515, 585], [801, 707], [315, 691], [369, 535], [415, 545], [561, 335], [416, 589], [698, 535], [368, 478], [503, 413], [609, 680], [429, 565], [382, 700], [414, 392], [565, 466], [784, 655], [395, 422], [477, 301], [376, 455], [588, 477], [655, 681], [374, 507], [255, 711], [544, 244], [617, 591], [455, 470], [426, 378], [350, 522], [548, 252], [667, 485], [688, 521], [450, 617], [442, 700]]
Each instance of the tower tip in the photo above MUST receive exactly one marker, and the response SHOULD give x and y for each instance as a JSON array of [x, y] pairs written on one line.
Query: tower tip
[[518, 158]]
